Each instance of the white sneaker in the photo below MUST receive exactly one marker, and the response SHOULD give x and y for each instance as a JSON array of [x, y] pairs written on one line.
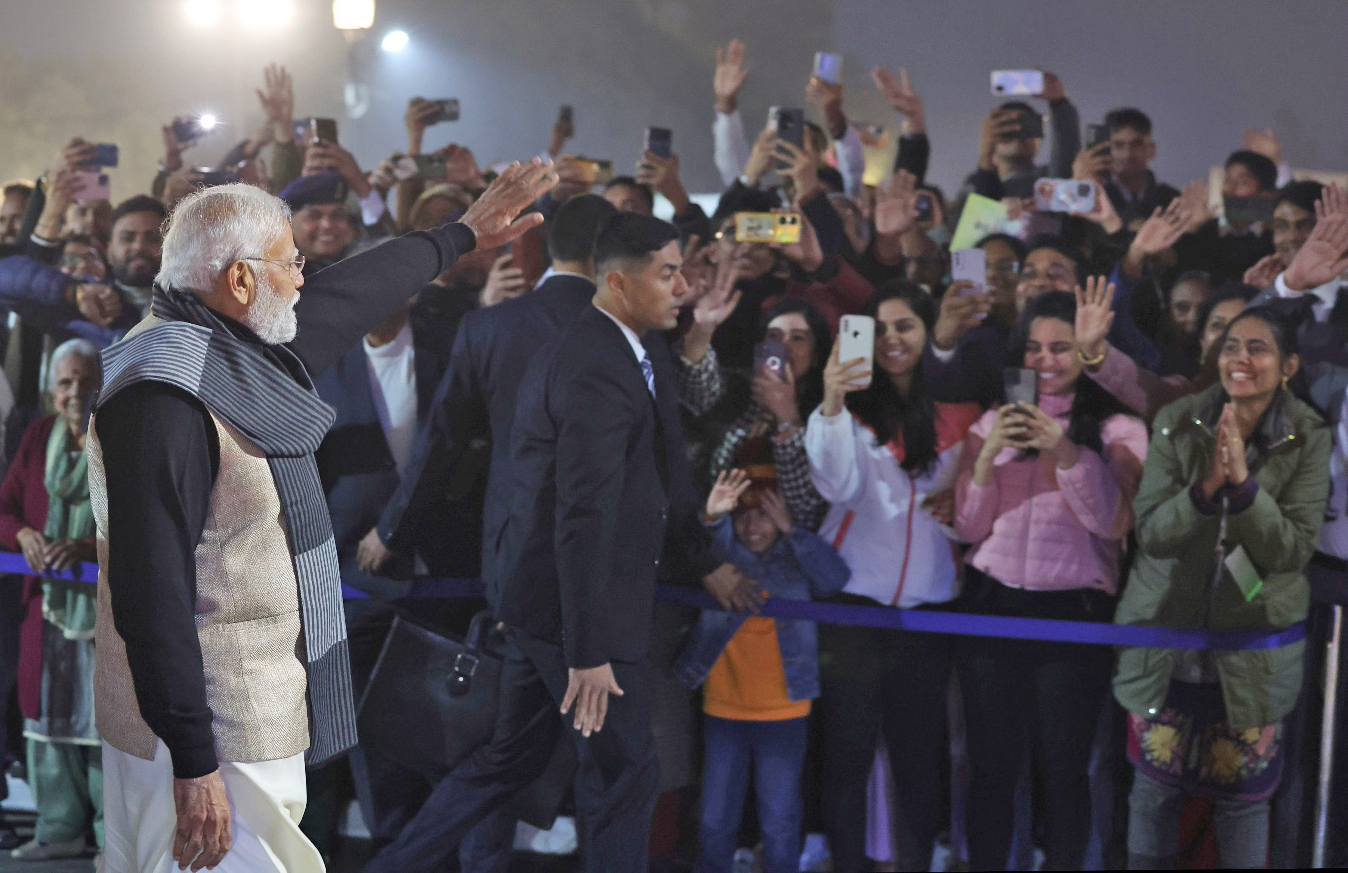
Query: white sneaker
[[815, 856], [35, 851]]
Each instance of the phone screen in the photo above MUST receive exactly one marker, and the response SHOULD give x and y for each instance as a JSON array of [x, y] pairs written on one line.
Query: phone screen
[[324, 129], [828, 66], [1021, 385], [773, 355]]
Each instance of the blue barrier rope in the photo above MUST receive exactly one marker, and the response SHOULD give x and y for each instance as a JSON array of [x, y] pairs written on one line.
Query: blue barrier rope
[[922, 620]]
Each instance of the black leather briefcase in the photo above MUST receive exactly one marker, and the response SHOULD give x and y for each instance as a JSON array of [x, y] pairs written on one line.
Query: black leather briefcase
[[432, 700]]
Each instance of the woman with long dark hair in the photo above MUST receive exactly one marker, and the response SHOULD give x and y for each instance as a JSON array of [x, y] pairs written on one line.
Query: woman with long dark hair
[[767, 440], [884, 454], [1044, 495], [1231, 501]]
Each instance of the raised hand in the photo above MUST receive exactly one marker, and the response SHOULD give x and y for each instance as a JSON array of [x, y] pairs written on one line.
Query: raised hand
[[1053, 89], [1103, 213], [1321, 257], [774, 505], [1092, 163], [1264, 271], [504, 282], [1197, 210], [777, 394], [1159, 232], [662, 175], [277, 98], [1095, 316], [329, 156], [1333, 201], [960, 313], [802, 165], [760, 157], [901, 96], [495, 216], [807, 253], [997, 124], [726, 493], [895, 204], [417, 118], [729, 76], [842, 378]]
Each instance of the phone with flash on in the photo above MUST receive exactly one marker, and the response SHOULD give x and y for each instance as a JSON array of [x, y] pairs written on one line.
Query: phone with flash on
[[311, 129], [773, 355], [970, 265], [856, 339], [1020, 385], [767, 227]]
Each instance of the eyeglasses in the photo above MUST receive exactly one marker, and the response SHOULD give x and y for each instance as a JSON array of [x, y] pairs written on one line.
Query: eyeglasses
[[296, 264]]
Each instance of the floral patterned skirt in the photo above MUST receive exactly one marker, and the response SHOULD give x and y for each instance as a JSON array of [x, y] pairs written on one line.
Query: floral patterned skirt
[[1188, 745]]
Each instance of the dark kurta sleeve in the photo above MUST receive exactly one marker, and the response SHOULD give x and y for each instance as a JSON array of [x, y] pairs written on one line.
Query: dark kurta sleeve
[[159, 482], [340, 304]]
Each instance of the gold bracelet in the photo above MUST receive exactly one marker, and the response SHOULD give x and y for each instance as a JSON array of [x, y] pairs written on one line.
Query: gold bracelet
[[1093, 362]]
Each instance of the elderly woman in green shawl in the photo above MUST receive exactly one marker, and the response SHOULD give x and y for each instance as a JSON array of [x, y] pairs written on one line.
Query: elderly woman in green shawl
[[45, 513]]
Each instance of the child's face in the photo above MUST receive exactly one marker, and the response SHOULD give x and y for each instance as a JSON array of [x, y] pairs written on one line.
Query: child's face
[[755, 530]]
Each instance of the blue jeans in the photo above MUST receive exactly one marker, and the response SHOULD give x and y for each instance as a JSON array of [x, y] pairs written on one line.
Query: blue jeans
[[776, 751]]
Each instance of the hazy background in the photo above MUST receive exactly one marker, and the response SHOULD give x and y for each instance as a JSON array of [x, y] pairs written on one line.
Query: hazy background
[[1204, 70]]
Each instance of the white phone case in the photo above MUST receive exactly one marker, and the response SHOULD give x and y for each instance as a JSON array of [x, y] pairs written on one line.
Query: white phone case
[[970, 265], [856, 339]]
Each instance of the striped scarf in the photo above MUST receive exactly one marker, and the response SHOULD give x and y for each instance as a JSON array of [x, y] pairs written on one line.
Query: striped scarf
[[265, 394]]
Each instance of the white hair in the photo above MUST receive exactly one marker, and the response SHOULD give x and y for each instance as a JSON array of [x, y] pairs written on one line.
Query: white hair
[[213, 228], [70, 348]]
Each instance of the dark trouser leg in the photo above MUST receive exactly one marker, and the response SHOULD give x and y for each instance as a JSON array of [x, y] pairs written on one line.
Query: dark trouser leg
[[913, 718], [998, 699], [849, 707], [725, 781], [1071, 683], [527, 727], [779, 758]]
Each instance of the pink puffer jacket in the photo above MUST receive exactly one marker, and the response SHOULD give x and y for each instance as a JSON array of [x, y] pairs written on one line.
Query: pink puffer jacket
[[1044, 529]]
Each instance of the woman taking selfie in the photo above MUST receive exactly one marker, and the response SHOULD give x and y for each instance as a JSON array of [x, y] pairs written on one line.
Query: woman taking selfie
[[1044, 495], [1230, 505], [883, 453]]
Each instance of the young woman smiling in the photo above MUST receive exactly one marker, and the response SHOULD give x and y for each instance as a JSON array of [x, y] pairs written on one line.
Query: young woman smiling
[[883, 453], [1230, 504], [1044, 494]]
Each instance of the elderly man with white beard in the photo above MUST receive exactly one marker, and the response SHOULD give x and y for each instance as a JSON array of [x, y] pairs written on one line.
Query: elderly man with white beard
[[222, 663]]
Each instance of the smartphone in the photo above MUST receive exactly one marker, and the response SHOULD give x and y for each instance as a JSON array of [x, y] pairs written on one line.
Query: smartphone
[[566, 120], [1096, 135], [791, 126], [93, 185], [1029, 83], [1031, 125], [772, 116], [828, 66], [659, 140], [1247, 210], [925, 206], [189, 130], [970, 265], [773, 355], [448, 111], [404, 167], [1074, 196], [1020, 385], [430, 167], [856, 339], [105, 155], [767, 227], [603, 171], [318, 128]]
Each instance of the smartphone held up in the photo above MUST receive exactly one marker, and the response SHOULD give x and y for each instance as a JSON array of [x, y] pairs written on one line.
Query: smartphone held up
[[780, 228]]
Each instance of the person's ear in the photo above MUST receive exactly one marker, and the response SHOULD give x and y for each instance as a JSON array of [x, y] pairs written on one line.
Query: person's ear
[[241, 283], [1290, 365], [1151, 150]]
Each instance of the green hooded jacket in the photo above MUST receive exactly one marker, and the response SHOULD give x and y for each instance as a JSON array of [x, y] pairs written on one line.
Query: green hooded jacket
[[1171, 579]]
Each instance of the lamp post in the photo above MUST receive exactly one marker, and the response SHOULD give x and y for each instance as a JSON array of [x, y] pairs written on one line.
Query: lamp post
[[354, 18]]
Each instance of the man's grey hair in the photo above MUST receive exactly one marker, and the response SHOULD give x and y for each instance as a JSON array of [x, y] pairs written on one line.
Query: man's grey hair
[[70, 348], [213, 228]]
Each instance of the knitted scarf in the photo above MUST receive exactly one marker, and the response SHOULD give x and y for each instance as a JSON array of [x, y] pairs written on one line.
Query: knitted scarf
[[265, 394], [69, 605]]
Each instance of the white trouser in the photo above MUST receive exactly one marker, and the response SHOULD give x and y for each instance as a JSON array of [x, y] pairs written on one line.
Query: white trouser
[[266, 802]]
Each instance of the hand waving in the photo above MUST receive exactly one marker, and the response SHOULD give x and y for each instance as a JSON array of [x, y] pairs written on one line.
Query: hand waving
[[729, 76], [1095, 316], [901, 96], [495, 216], [726, 493]]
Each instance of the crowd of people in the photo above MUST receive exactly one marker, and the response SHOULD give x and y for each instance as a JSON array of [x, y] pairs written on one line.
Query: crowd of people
[[1175, 458]]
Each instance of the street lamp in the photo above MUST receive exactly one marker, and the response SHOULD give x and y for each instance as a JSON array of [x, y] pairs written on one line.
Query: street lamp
[[352, 15], [203, 13], [395, 41]]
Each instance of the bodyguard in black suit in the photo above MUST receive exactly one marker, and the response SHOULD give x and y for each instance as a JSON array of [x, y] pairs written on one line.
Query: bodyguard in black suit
[[474, 406], [601, 496]]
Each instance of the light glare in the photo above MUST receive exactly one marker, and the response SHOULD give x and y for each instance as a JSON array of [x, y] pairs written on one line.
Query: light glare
[[203, 13], [264, 13], [352, 14], [395, 41], [208, 121]]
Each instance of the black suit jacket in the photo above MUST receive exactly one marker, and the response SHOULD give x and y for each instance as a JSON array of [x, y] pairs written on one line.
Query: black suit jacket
[[473, 410], [602, 496]]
